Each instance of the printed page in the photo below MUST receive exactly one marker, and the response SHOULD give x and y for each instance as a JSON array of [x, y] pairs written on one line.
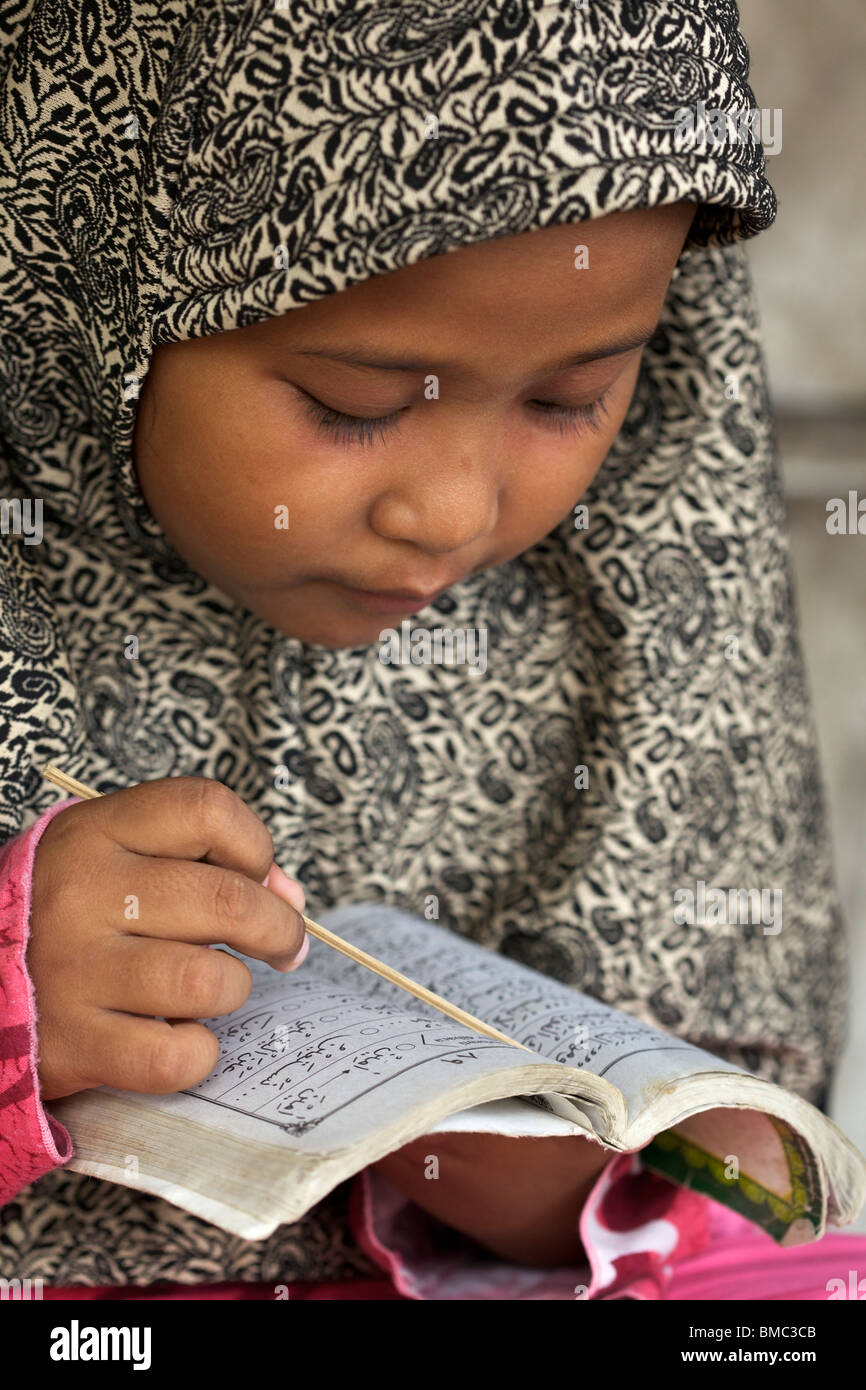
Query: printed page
[[327, 1065], [552, 1019], [332, 1053]]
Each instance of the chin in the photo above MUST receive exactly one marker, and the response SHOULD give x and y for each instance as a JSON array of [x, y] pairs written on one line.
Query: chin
[[338, 633]]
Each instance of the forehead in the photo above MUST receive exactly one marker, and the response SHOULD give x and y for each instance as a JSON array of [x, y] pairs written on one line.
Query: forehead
[[536, 295], [620, 248]]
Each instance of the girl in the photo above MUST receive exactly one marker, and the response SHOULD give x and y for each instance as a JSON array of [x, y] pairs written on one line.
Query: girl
[[317, 318]]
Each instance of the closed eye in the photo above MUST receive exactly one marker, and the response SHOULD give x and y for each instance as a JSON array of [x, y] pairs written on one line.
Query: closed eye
[[361, 429], [574, 419]]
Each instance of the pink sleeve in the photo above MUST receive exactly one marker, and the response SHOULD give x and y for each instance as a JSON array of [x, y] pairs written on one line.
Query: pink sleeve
[[31, 1141], [635, 1227]]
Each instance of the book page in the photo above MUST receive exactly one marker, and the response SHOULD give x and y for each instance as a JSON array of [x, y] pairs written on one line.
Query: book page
[[326, 1065], [332, 1053], [545, 1015]]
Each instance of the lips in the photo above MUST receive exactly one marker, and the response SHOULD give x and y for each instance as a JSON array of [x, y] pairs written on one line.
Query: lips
[[412, 595]]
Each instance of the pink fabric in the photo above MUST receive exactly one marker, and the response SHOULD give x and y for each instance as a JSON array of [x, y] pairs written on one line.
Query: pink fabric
[[31, 1141], [644, 1237], [742, 1263]]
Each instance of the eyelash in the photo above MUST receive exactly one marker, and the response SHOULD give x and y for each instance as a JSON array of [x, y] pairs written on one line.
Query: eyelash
[[355, 429]]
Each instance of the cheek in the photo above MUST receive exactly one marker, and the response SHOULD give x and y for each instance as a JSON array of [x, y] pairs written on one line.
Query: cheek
[[237, 499], [210, 512], [554, 471]]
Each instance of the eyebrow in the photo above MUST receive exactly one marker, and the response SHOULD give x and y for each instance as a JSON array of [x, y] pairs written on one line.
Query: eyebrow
[[357, 355]]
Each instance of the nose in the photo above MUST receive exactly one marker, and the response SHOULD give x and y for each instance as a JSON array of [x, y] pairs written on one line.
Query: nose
[[439, 508]]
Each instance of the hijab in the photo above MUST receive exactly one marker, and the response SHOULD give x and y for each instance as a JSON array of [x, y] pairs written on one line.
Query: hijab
[[188, 168]]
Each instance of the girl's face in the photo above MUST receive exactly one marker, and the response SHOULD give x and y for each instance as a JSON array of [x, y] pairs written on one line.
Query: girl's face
[[336, 468]]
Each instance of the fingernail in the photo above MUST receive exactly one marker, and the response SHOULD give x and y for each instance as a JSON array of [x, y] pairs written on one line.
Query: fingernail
[[300, 957], [285, 887]]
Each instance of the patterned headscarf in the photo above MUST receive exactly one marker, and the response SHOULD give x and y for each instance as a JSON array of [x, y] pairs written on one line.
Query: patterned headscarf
[[175, 169]]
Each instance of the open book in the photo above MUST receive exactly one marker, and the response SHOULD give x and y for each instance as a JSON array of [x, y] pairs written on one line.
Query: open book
[[325, 1070]]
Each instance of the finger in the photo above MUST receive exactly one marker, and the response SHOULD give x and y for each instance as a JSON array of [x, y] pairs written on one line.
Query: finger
[[201, 904], [285, 887], [145, 1054], [186, 818], [171, 979]]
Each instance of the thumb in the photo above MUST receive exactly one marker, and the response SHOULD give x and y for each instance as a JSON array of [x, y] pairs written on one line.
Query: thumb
[[291, 892], [285, 887]]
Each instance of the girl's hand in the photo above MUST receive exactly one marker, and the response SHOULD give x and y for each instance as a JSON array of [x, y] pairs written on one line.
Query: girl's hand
[[520, 1198], [123, 909]]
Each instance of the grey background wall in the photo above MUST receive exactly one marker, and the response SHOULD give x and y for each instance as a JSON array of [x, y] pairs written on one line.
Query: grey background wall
[[809, 58]]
